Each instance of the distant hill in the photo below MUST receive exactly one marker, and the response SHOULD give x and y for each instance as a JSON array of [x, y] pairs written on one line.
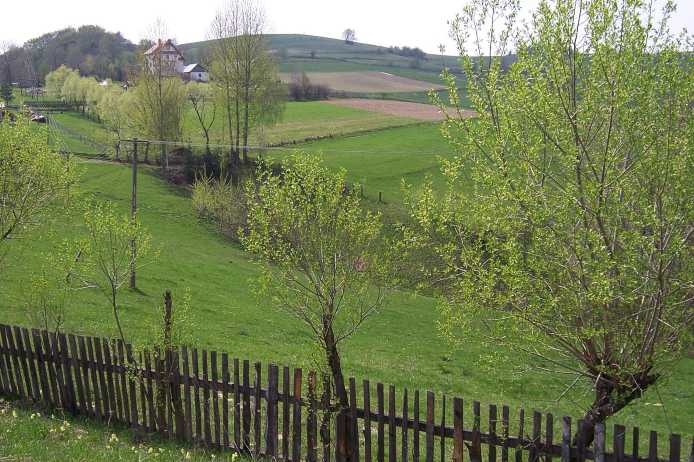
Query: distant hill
[[308, 53], [91, 49]]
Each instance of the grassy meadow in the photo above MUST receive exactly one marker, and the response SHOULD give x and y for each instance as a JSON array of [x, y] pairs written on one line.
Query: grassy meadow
[[399, 346]]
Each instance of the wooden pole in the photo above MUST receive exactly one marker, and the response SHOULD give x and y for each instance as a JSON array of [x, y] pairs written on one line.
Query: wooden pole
[[133, 213]]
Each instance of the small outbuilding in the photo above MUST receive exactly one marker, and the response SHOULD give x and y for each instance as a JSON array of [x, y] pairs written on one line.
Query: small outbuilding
[[196, 72]]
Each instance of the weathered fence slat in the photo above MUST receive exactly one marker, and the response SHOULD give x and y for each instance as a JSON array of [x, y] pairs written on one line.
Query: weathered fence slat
[[134, 414], [537, 433], [32, 364], [215, 399], [312, 421], [78, 374], [618, 438], [549, 434], [257, 424], [114, 402], [107, 411], [458, 430], [325, 422], [675, 447], [296, 443], [354, 420], [405, 427], [392, 439], [196, 391], [123, 382], [67, 373], [635, 444], [146, 420], [246, 406], [566, 439], [271, 419], [23, 362], [237, 407], [653, 447], [380, 445], [505, 423], [492, 433], [9, 344], [41, 365], [225, 400], [415, 435], [599, 443], [580, 442], [367, 421], [286, 387], [4, 368], [442, 440], [188, 410], [151, 409], [91, 357], [521, 433], [430, 427], [476, 443], [206, 399]]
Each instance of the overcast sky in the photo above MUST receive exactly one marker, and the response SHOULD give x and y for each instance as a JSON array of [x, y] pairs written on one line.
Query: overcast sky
[[419, 23]]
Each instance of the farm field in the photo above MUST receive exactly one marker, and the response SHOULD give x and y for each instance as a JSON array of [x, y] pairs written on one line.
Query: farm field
[[399, 346], [397, 108], [366, 82]]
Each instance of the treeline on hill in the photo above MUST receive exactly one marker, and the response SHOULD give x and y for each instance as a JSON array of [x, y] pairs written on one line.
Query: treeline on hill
[[90, 49], [415, 52]]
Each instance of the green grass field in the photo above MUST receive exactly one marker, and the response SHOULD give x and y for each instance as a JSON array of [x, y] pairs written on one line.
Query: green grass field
[[35, 434], [400, 345]]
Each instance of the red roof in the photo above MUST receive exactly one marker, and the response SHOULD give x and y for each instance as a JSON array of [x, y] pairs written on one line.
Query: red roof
[[159, 45]]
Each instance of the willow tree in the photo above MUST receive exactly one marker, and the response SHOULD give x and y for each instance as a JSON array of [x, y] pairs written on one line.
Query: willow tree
[[565, 230]]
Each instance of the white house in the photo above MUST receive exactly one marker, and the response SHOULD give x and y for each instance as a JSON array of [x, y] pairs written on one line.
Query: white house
[[196, 73], [167, 56]]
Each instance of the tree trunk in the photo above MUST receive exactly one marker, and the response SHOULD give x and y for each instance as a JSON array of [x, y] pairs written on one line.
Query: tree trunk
[[611, 396], [345, 439]]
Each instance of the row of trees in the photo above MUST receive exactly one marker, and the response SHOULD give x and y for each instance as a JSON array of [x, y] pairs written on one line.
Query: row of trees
[[564, 230]]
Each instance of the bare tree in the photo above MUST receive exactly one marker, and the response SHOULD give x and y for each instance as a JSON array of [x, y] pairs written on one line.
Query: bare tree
[[204, 107]]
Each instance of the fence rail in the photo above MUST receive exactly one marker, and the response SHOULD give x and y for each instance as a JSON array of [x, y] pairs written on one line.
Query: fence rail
[[207, 398]]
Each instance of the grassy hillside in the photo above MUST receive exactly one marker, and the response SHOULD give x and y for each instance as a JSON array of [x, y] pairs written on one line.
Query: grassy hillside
[[400, 345], [307, 53]]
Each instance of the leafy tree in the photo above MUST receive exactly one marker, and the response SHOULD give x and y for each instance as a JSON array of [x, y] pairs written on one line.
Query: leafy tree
[[244, 73], [108, 252], [113, 111], [566, 227], [349, 36], [32, 177], [320, 254], [55, 81], [6, 93]]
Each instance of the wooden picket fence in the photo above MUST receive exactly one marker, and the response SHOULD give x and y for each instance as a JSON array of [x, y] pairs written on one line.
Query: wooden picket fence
[[206, 398]]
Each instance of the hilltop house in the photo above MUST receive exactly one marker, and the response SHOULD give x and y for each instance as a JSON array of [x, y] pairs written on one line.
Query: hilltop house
[[165, 57], [196, 73]]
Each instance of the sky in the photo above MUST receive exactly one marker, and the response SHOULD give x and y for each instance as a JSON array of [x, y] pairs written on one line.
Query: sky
[[420, 23]]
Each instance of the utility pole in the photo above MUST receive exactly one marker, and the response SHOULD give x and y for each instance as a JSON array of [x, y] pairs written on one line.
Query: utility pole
[[133, 213]]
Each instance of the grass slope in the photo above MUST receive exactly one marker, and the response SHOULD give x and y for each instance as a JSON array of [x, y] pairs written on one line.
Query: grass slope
[[399, 346], [29, 434]]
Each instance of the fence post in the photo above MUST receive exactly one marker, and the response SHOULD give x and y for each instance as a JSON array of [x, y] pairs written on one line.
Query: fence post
[[133, 213], [271, 434], [599, 444]]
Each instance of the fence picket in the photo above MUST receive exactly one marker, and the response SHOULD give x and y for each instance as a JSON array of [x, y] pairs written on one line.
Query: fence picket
[[405, 426], [114, 402], [186, 394], [286, 387], [635, 445], [521, 434], [618, 437], [31, 360], [237, 407], [125, 403], [9, 344], [599, 443], [23, 362], [206, 399], [67, 373], [225, 400], [442, 441], [505, 421], [580, 442], [134, 415], [675, 447], [93, 374], [458, 430], [246, 406], [296, 443], [78, 374], [367, 421], [549, 434], [325, 422], [196, 382], [492, 433], [380, 422], [257, 405], [475, 447], [566, 439], [146, 420], [537, 430], [151, 410], [41, 366], [271, 419], [354, 420], [430, 427], [215, 399], [392, 439], [107, 410], [311, 422], [653, 447]]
